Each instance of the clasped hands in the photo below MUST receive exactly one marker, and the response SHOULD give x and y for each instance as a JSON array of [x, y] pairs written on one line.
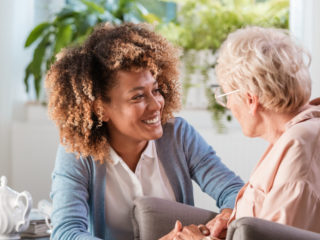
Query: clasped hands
[[214, 229]]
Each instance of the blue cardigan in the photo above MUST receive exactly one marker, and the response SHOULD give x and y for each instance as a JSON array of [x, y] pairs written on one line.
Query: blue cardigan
[[78, 185]]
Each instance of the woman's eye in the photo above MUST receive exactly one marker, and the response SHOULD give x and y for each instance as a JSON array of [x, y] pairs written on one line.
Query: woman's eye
[[137, 97], [157, 91]]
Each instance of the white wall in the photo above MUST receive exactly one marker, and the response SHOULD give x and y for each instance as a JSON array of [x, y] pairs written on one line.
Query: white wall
[[16, 18], [23, 145], [305, 25], [33, 148]]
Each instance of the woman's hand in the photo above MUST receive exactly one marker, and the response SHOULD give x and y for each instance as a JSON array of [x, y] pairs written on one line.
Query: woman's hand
[[217, 228], [191, 232], [171, 235], [218, 225]]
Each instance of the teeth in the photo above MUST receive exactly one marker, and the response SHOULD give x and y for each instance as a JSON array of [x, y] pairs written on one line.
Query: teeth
[[152, 121]]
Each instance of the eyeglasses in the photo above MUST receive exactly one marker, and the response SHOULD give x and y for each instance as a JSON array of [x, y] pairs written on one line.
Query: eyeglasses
[[221, 97]]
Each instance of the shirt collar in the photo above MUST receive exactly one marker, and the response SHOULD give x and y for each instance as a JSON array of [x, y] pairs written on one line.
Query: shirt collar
[[307, 112], [149, 152], [114, 156]]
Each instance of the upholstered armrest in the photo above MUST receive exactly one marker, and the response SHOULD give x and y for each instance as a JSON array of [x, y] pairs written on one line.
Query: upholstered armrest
[[248, 228], [154, 217]]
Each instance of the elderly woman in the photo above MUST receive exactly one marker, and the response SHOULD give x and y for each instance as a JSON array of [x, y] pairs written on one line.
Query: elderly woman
[[266, 84], [113, 99]]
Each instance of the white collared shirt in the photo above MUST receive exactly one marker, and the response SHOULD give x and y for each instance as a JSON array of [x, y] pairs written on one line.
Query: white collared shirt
[[123, 186]]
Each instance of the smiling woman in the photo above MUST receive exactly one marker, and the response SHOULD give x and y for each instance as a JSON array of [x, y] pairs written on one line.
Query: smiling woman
[[133, 114], [113, 100], [83, 77]]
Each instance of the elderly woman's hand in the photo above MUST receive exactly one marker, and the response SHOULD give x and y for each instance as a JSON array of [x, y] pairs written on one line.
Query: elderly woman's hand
[[218, 225]]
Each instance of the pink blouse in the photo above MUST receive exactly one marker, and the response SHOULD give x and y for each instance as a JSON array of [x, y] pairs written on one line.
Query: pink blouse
[[285, 185]]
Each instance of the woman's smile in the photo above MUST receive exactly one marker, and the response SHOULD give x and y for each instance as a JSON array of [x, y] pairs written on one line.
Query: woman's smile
[[153, 121]]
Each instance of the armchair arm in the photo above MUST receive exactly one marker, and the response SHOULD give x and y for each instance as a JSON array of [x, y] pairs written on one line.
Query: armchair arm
[[249, 228], [154, 217]]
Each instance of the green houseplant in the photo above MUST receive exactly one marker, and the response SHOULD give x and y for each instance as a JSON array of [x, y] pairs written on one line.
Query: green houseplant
[[202, 25], [71, 26]]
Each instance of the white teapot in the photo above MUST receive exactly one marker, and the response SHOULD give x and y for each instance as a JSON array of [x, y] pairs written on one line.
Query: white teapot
[[14, 212]]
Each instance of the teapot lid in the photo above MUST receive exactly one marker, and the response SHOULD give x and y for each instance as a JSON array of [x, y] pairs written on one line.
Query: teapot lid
[[3, 181], [3, 186]]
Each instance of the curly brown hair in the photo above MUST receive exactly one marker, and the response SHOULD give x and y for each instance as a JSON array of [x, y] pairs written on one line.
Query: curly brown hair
[[82, 76]]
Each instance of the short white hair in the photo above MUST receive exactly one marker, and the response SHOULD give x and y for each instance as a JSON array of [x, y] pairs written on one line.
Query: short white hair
[[268, 63]]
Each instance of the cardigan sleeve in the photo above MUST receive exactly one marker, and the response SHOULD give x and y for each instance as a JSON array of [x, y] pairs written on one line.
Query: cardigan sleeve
[[70, 195], [206, 168]]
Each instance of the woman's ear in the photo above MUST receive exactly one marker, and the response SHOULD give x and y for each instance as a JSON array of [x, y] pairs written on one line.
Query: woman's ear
[[100, 110], [253, 103]]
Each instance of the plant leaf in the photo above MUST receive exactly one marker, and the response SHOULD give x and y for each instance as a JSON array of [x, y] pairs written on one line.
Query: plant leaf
[[38, 55], [93, 6], [37, 85], [64, 14], [151, 18], [36, 32], [63, 37], [26, 76], [37, 63], [82, 38]]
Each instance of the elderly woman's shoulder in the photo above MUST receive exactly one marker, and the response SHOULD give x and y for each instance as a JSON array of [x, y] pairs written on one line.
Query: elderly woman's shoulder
[[299, 147], [305, 127]]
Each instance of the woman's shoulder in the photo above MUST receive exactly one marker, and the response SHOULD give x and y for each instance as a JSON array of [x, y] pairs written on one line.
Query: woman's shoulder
[[305, 125], [177, 128], [176, 124], [304, 128], [299, 150], [304, 133], [70, 161], [63, 154], [176, 121]]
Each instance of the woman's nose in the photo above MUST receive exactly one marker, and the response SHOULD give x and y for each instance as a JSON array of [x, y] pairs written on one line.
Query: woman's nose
[[155, 102]]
